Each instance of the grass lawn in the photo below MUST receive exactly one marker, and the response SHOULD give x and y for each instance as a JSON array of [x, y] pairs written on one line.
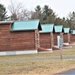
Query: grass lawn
[[36, 67]]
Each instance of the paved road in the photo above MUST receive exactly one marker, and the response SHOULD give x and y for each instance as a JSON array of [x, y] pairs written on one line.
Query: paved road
[[31, 59], [70, 72]]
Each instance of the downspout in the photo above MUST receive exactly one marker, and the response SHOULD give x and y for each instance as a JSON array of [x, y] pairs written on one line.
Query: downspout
[[37, 45], [52, 44], [68, 37]]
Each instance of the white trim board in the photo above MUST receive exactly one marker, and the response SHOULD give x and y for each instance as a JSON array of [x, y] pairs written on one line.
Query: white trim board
[[66, 43], [49, 49], [18, 52]]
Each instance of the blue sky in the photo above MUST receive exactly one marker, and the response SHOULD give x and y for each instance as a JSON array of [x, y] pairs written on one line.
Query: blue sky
[[61, 7]]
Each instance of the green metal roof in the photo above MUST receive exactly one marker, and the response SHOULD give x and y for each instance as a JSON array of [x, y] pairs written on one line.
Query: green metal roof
[[73, 31], [58, 28], [46, 28], [66, 30], [25, 25]]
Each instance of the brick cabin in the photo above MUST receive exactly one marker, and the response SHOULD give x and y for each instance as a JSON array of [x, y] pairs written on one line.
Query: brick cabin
[[4, 36], [72, 37], [19, 37], [66, 36], [58, 31], [46, 37]]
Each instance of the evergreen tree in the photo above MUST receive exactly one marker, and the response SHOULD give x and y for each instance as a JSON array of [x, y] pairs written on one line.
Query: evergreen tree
[[2, 13]]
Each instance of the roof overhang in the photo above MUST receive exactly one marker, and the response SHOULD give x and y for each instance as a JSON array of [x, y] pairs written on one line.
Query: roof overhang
[[6, 22]]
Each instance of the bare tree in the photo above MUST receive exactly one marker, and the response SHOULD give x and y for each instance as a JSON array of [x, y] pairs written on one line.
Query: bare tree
[[24, 15], [18, 12], [34, 15]]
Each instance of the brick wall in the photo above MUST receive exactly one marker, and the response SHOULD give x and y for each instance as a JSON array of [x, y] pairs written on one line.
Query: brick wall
[[45, 40], [24, 40], [72, 38], [4, 37], [65, 37], [55, 38]]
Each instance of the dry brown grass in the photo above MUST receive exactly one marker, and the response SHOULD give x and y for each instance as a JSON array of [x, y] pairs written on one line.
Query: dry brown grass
[[45, 67], [42, 67], [36, 67]]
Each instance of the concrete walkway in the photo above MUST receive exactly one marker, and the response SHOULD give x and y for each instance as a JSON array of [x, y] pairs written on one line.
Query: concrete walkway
[[31, 59]]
